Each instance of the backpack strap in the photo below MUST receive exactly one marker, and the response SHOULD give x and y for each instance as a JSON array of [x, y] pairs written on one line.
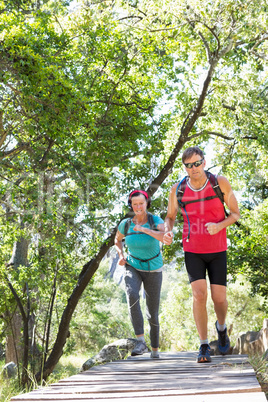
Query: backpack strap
[[214, 184], [151, 221], [127, 226], [216, 187], [148, 260], [180, 191]]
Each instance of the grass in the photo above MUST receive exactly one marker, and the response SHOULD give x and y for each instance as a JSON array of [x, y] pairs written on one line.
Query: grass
[[260, 366], [67, 366]]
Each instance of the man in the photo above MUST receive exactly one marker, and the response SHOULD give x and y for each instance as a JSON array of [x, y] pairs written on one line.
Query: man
[[204, 244]]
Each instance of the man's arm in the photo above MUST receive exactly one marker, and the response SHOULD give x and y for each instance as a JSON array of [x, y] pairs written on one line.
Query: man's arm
[[231, 202], [171, 215]]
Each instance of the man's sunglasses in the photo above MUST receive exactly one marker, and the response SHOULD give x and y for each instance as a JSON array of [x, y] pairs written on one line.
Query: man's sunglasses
[[196, 164]]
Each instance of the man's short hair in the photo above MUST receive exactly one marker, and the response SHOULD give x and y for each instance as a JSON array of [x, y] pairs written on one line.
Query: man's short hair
[[189, 152]]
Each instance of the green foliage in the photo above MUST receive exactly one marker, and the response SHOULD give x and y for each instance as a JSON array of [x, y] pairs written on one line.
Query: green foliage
[[92, 103], [249, 254]]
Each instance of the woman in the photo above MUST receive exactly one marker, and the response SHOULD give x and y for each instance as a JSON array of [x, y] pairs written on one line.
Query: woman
[[143, 265]]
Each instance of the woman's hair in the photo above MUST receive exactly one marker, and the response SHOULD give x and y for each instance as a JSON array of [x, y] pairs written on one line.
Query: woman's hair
[[136, 193], [189, 152]]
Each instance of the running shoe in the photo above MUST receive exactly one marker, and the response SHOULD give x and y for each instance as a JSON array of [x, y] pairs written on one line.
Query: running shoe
[[155, 355], [204, 354], [139, 349], [223, 341]]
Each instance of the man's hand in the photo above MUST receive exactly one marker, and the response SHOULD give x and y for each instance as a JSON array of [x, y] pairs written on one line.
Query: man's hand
[[212, 228], [168, 238]]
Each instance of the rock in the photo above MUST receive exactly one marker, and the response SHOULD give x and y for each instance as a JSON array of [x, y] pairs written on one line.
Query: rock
[[253, 342], [242, 343], [88, 364], [117, 350], [10, 370]]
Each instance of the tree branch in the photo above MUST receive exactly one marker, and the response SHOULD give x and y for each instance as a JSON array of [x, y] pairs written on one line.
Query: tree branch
[[204, 132]]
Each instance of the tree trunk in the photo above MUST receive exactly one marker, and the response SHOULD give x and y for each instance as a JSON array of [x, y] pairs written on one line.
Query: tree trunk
[[14, 344]]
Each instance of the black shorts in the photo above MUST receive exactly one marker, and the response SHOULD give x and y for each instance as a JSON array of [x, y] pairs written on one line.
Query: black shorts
[[214, 263]]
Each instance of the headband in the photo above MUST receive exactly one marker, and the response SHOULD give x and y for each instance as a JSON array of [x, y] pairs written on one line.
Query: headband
[[138, 191]]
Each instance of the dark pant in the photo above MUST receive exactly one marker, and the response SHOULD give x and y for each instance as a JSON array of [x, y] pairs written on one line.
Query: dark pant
[[215, 264], [152, 282]]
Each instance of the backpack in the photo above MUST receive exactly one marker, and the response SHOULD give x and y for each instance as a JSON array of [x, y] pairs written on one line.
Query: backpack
[[214, 184], [150, 221]]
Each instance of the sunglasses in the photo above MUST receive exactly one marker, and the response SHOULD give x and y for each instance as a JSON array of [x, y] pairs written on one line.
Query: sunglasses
[[196, 164]]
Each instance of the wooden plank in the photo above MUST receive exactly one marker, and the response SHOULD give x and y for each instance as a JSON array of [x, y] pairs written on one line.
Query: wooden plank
[[186, 385], [160, 370], [174, 376], [143, 363], [237, 397], [79, 379]]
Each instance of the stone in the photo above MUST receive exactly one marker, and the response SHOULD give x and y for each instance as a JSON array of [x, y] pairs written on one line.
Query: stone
[[117, 350], [253, 342]]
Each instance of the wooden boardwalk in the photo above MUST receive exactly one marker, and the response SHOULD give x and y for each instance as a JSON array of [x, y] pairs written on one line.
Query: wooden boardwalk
[[175, 377]]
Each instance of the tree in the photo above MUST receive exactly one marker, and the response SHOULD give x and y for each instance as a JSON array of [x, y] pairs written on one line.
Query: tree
[[99, 80], [249, 256]]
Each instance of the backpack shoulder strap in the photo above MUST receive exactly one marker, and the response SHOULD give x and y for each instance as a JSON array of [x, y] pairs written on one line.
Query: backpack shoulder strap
[[127, 226], [180, 190], [215, 185], [151, 221]]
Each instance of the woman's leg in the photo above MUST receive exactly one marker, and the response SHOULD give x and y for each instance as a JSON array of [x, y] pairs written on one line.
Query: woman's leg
[[152, 286], [133, 283]]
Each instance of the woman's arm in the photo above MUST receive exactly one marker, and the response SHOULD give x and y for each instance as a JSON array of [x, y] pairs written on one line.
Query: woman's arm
[[158, 235], [119, 247]]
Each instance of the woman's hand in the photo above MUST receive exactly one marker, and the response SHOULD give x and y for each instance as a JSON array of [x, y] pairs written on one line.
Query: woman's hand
[[138, 228], [122, 261], [119, 248]]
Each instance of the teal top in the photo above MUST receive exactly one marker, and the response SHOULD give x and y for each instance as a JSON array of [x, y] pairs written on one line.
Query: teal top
[[142, 246]]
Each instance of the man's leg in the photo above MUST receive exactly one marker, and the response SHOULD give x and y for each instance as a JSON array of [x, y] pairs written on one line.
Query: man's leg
[[218, 295], [199, 289], [196, 268]]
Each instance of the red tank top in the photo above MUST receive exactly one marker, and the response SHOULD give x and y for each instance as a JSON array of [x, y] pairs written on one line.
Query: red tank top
[[200, 213]]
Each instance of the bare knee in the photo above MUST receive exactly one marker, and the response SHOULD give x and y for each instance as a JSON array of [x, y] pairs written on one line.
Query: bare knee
[[220, 302], [200, 296], [218, 295]]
